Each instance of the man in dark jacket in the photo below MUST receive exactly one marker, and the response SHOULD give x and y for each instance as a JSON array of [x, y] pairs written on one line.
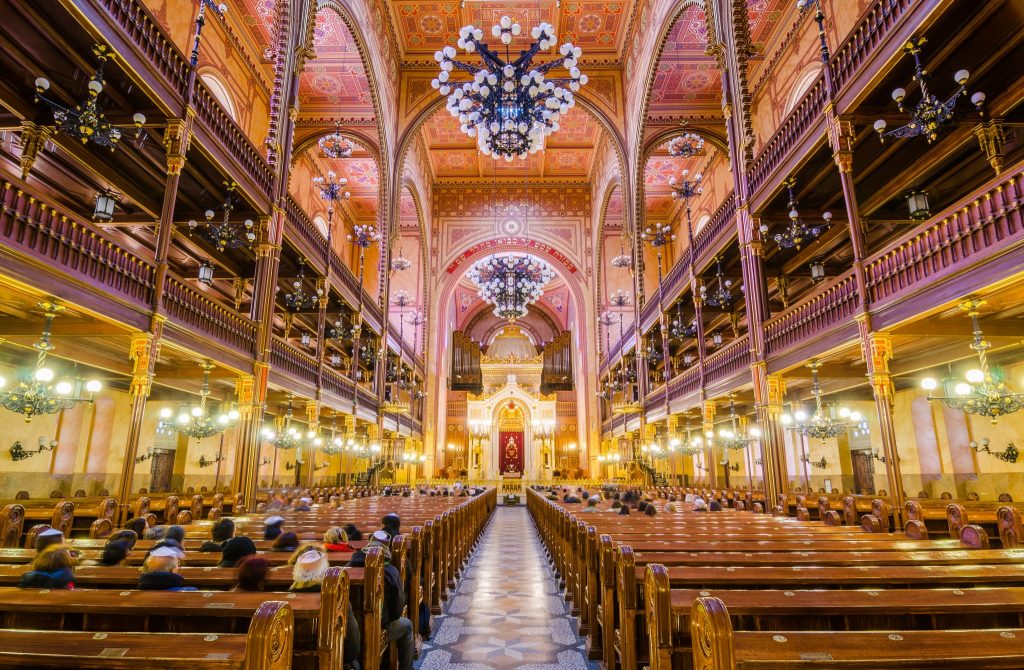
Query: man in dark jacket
[[221, 532], [397, 627]]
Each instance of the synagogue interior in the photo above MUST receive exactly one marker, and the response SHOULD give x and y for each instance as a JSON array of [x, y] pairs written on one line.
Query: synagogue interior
[[316, 312]]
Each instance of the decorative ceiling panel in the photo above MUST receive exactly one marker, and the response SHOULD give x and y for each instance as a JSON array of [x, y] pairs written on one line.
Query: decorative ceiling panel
[[766, 16], [567, 162], [577, 128]]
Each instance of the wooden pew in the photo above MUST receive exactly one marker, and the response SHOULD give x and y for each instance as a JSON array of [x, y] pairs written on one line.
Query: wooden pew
[[721, 648], [667, 612], [266, 646]]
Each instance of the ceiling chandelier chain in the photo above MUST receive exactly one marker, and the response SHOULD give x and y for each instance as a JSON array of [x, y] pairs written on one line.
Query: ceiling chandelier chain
[[797, 231], [931, 113], [510, 283], [509, 106], [226, 234], [721, 296], [37, 393], [196, 422], [985, 392], [87, 121]]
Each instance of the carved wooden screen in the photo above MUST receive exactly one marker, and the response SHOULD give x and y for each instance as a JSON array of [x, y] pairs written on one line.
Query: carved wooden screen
[[557, 372], [465, 369]]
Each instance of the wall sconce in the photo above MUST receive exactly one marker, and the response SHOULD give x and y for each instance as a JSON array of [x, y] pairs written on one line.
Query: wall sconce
[[305, 339], [735, 467], [20, 453], [205, 462], [265, 461], [878, 456], [290, 466], [103, 208], [205, 275], [821, 465], [817, 270], [144, 457], [917, 203], [1009, 455]]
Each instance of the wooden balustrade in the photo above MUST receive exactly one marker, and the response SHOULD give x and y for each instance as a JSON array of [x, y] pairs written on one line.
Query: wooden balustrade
[[68, 245], [877, 22], [306, 231], [338, 384], [138, 26], [708, 238], [805, 115], [292, 361], [349, 284], [684, 383], [728, 361], [979, 227], [189, 308], [833, 304]]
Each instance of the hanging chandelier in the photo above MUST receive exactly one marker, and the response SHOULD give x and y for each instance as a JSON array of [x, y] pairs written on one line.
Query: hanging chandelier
[[984, 392], [364, 235], [735, 437], [400, 263], [284, 435], [686, 145], [334, 145], [821, 425], [658, 235], [797, 232], [298, 300], [226, 234], [679, 329], [332, 188], [931, 113], [196, 422], [509, 106], [691, 446], [87, 122], [623, 260], [38, 393], [687, 188], [620, 298], [510, 283], [401, 298], [721, 296]]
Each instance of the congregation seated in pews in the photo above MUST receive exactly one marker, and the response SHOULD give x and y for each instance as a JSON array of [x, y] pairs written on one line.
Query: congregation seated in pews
[[717, 579], [325, 598]]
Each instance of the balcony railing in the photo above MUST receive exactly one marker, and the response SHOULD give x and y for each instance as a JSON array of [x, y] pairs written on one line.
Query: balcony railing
[[982, 225], [305, 230], [291, 361], [721, 221], [731, 359], [338, 384], [684, 383], [139, 27], [877, 23], [62, 243], [833, 304], [187, 307]]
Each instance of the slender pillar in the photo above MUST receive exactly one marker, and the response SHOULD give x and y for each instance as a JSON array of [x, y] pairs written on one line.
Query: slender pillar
[[144, 351], [313, 417], [251, 392], [177, 136], [878, 353], [769, 391], [708, 426]]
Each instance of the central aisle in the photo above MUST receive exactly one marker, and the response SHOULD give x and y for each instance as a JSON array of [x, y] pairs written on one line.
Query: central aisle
[[507, 611]]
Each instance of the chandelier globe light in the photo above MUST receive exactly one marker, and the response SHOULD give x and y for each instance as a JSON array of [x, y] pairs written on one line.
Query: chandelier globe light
[[821, 425], [510, 283], [797, 231], [509, 106], [225, 233], [737, 436], [335, 145], [686, 145], [197, 422], [983, 391]]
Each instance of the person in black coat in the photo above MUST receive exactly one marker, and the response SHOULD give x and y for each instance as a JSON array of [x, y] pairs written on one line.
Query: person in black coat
[[272, 527], [235, 550], [397, 627], [221, 532]]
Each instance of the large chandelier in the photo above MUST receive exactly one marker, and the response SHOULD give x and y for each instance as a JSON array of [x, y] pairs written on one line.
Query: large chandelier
[[510, 283], [736, 437], [687, 188], [931, 113], [686, 145], [38, 393], [623, 260], [509, 106], [721, 295], [226, 234], [984, 392], [298, 300], [691, 446], [334, 145], [400, 263], [87, 122], [797, 232], [679, 329], [821, 425], [283, 435], [196, 422]]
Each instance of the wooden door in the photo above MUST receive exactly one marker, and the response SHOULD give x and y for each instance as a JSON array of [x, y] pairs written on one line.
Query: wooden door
[[160, 470], [863, 472]]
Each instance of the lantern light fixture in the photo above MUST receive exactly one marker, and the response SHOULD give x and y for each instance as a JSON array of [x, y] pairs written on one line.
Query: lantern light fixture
[[917, 203], [103, 207], [205, 272]]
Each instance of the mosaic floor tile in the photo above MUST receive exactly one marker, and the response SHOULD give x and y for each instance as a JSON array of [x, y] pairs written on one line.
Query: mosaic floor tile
[[507, 612]]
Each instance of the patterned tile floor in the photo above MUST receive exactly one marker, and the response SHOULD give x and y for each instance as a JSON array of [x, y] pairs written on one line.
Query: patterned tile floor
[[507, 612]]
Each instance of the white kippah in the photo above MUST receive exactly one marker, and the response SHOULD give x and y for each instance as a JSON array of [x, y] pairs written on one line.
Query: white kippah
[[166, 552], [271, 520], [311, 556], [381, 536], [49, 532]]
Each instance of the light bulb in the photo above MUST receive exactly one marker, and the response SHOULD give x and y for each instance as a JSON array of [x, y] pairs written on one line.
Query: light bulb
[[962, 388], [93, 386], [165, 413], [975, 376], [44, 375], [63, 388], [197, 412], [233, 415], [856, 416], [929, 384], [223, 419], [183, 418], [844, 412], [800, 415]]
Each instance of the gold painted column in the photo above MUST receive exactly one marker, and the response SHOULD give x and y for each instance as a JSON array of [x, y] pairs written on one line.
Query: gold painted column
[[313, 418], [251, 392], [769, 391], [878, 353], [144, 351], [710, 458]]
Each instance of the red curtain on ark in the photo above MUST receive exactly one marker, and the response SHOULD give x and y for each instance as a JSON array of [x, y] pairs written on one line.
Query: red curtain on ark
[[510, 451]]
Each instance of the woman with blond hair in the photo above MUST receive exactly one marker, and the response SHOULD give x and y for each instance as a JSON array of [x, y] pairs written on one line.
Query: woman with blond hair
[[336, 539]]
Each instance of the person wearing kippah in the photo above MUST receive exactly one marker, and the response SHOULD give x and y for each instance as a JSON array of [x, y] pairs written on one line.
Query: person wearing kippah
[[160, 571]]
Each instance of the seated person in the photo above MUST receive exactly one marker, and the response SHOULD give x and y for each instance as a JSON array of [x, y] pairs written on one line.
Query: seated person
[[714, 506], [53, 568], [303, 505], [308, 573], [624, 510], [336, 539], [48, 538], [642, 506], [671, 505], [235, 550], [272, 526], [139, 525], [128, 536], [616, 506], [699, 505], [391, 524], [397, 628], [221, 532], [252, 574], [379, 538], [114, 553], [174, 537], [591, 504], [286, 542], [160, 572], [570, 498], [354, 534], [650, 510]]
